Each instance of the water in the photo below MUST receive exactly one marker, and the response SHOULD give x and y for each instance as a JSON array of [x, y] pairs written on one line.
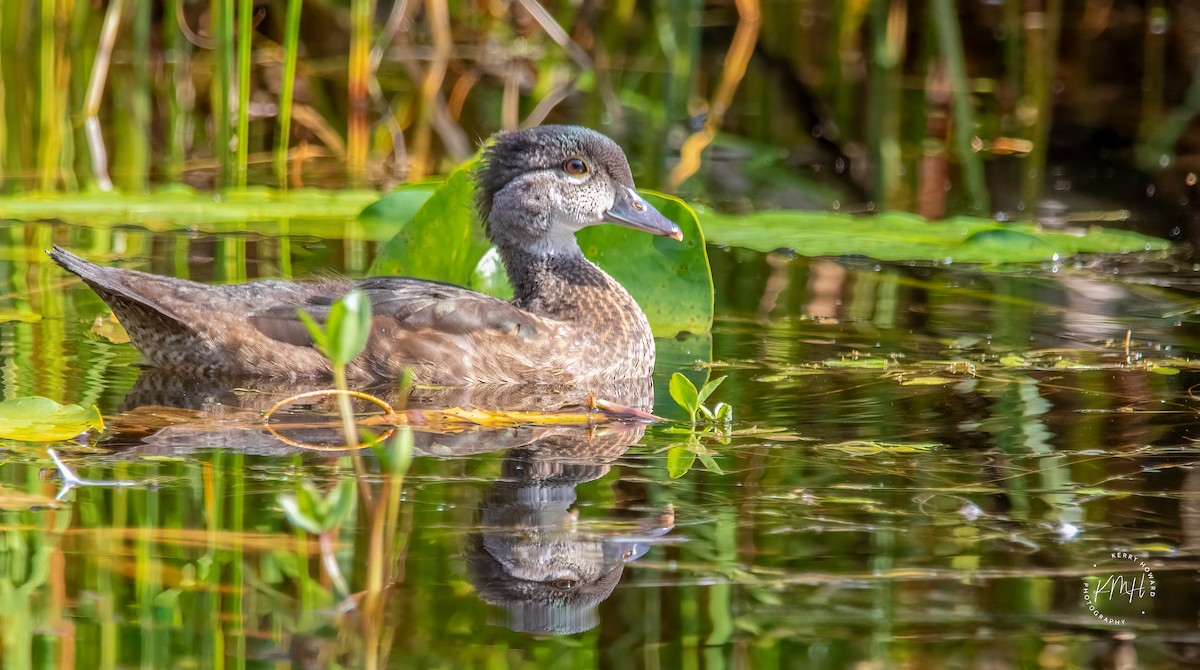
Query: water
[[927, 468]]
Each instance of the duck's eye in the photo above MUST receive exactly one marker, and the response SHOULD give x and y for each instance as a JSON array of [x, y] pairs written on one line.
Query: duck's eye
[[565, 583], [575, 167]]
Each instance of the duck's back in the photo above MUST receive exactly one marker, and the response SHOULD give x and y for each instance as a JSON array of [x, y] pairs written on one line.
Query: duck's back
[[443, 334]]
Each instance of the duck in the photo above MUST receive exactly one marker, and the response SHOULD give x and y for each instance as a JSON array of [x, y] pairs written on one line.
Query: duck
[[568, 324]]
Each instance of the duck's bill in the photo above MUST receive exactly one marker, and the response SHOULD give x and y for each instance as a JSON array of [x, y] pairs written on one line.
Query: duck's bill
[[632, 211]]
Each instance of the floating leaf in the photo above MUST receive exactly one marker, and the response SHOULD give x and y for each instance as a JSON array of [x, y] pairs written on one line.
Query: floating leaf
[[900, 236], [399, 206], [925, 381], [316, 212], [864, 363], [38, 419], [9, 314], [865, 448]]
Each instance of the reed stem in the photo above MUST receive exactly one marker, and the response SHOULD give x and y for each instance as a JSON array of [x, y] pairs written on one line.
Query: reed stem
[[245, 32], [291, 45], [949, 37]]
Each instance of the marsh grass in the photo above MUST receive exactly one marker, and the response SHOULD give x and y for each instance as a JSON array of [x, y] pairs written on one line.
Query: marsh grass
[[231, 93]]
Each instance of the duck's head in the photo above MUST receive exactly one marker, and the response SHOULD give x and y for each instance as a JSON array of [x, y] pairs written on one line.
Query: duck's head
[[537, 187]]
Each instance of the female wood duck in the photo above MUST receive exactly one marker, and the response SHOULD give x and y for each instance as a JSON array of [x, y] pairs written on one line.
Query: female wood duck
[[568, 324]]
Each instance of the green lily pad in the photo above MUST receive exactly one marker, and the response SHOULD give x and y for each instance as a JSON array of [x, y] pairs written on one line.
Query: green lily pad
[[443, 241], [314, 212], [900, 236], [400, 205], [38, 419]]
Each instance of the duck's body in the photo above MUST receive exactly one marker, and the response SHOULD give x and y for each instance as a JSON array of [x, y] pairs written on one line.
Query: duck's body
[[568, 324]]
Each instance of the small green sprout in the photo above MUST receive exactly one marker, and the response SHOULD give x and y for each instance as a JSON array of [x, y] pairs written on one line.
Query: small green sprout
[[692, 401], [322, 514], [346, 329], [315, 512], [341, 340], [718, 421]]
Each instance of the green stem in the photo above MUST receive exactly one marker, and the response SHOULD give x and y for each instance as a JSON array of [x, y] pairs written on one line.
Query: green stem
[[245, 32], [1041, 31], [222, 20], [945, 20], [345, 408], [291, 41]]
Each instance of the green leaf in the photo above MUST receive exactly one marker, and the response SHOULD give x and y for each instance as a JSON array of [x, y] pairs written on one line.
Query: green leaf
[[338, 504], [490, 277], [314, 329], [325, 213], [671, 281], [724, 413], [443, 241], [396, 455], [679, 460], [684, 392], [709, 462], [296, 516], [348, 327], [38, 419], [399, 206], [708, 389], [900, 236], [311, 502], [857, 363]]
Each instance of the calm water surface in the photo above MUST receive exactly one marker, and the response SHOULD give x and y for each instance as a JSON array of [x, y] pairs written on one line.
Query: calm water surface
[[929, 467]]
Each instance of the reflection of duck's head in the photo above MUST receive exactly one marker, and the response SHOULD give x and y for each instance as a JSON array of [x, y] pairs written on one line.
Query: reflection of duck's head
[[532, 555]]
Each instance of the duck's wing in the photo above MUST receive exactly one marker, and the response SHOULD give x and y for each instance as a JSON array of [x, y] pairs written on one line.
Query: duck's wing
[[446, 333], [405, 303]]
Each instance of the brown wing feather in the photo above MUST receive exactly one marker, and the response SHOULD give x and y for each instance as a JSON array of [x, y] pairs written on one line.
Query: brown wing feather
[[444, 333]]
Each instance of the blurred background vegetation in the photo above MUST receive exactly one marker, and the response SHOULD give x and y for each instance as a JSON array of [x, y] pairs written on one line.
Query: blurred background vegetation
[[1027, 108]]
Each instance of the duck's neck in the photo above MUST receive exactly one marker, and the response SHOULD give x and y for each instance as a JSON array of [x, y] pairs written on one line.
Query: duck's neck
[[562, 284]]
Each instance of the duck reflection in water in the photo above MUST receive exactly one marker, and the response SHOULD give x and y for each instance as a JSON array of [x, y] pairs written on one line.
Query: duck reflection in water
[[529, 552], [534, 556]]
